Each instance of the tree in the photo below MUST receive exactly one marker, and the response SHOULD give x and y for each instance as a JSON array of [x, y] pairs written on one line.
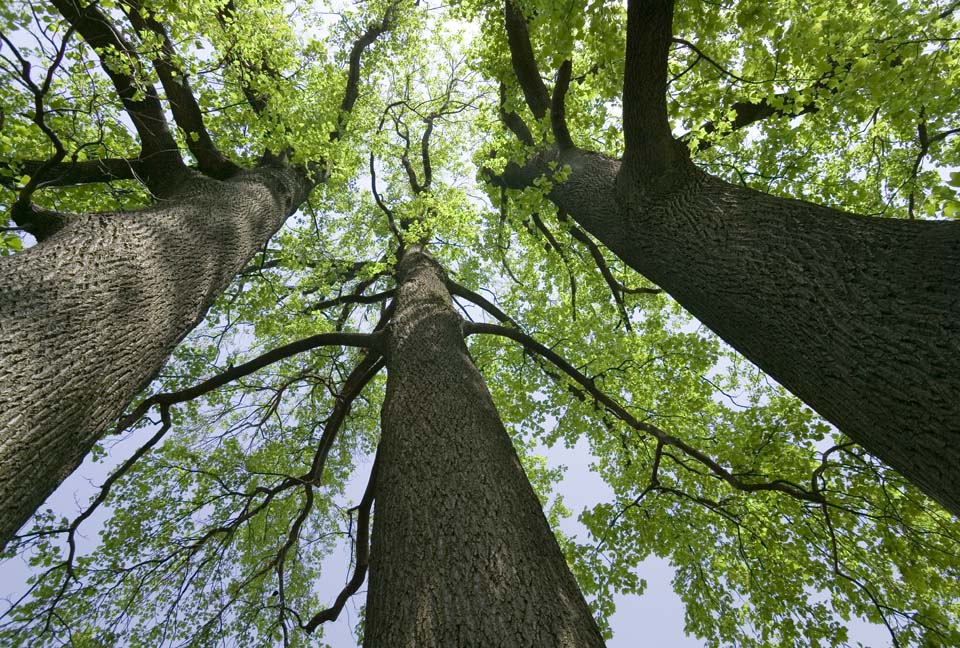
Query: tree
[[857, 316], [221, 517], [92, 314]]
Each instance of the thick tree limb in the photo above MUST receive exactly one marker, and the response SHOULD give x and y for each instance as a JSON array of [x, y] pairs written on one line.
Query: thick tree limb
[[186, 111], [38, 222], [524, 63], [649, 144], [158, 146], [558, 111], [513, 121], [65, 174]]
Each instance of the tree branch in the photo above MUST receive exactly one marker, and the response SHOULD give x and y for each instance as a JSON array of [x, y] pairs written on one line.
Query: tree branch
[[367, 340], [352, 91], [362, 555], [558, 111], [140, 100], [64, 174], [353, 298], [513, 121], [589, 385], [649, 144], [524, 62], [183, 105]]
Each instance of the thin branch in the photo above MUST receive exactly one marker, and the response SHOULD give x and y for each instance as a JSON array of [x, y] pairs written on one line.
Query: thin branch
[[700, 55], [616, 288], [362, 555], [589, 385], [391, 219], [352, 298], [367, 340]]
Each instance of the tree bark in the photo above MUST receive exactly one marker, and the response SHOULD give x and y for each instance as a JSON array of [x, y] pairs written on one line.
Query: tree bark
[[462, 554], [857, 316], [90, 315]]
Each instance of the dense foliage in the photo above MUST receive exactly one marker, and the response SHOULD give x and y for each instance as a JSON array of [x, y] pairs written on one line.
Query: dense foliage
[[780, 529]]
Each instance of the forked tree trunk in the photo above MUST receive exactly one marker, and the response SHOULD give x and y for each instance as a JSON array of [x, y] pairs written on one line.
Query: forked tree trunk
[[462, 554], [859, 317], [90, 315]]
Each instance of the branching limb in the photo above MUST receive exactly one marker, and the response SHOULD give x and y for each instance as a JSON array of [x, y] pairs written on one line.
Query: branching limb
[[351, 298], [186, 111], [362, 555], [616, 289], [589, 385], [535, 92], [368, 340], [158, 146], [39, 112], [352, 91]]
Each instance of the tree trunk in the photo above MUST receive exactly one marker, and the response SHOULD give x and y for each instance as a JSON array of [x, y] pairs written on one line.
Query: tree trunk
[[859, 317], [90, 315], [462, 554]]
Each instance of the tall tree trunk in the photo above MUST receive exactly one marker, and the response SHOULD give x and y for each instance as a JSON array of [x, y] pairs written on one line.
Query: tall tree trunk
[[90, 315], [462, 554], [859, 317]]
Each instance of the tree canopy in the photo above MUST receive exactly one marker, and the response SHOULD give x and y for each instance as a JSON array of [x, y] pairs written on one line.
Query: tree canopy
[[780, 528]]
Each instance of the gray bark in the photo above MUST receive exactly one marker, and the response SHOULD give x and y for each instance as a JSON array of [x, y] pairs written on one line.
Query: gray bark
[[90, 315], [462, 554], [859, 317]]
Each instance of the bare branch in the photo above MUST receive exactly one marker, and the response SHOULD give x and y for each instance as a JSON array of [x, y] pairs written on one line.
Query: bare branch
[[368, 340], [362, 555]]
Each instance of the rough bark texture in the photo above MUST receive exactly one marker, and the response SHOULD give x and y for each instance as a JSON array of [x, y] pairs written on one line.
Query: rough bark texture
[[857, 316], [90, 315], [462, 554]]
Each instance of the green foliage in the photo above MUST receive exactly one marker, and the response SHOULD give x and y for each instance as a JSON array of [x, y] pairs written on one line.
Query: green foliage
[[207, 529]]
